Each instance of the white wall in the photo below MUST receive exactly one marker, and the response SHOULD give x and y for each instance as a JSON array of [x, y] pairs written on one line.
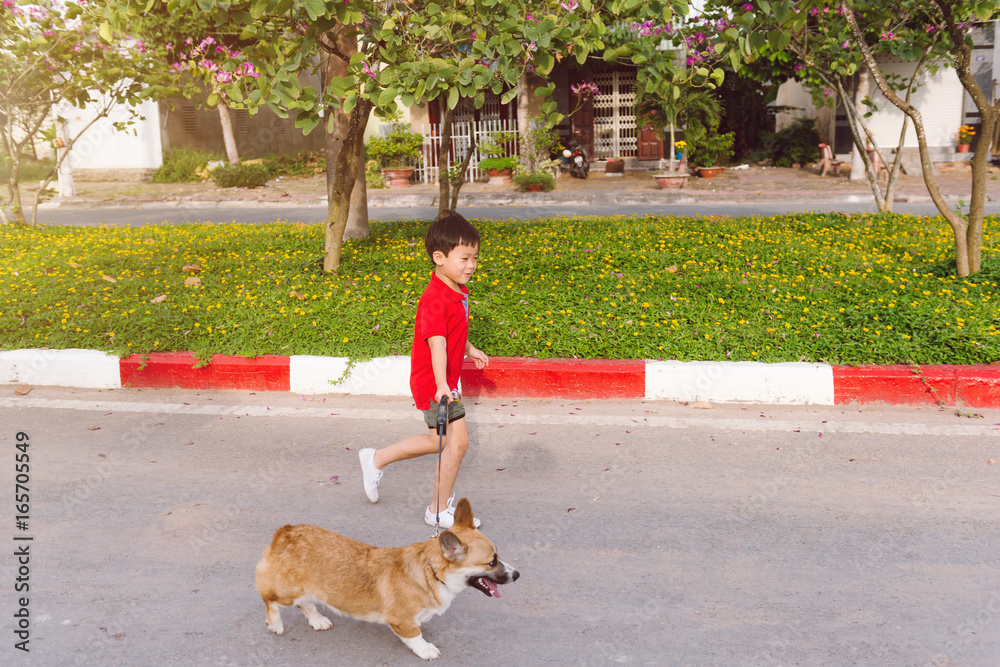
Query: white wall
[[939, 99], [104, 147]]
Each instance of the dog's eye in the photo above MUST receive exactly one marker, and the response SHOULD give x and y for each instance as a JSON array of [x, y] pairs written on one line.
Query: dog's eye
[[493, 563]]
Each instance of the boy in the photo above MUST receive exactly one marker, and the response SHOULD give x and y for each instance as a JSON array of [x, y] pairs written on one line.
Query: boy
[[440, 345]]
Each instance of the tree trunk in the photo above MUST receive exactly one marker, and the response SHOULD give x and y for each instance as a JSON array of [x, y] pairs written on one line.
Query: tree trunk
[[444, 158], [523, 111], [357, 218], [347, 192], [227, 134], [67, 188], [348, 131], [347, 195], [967, 232], [860, 93]]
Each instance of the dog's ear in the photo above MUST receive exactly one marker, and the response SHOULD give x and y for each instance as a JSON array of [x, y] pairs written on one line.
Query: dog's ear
[[451, 546], [463, 514]]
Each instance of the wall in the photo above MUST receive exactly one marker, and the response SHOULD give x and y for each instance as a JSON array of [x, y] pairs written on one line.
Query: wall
[[103, 151]]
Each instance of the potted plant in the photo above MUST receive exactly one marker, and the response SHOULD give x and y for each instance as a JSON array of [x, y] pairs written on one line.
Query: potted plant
[[396, 151], [535, 182], [692, 110], [712, 150], [499, 169], [964, 136], [499, 164], [534, 173]]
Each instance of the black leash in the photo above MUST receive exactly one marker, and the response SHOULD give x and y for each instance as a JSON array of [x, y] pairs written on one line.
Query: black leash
[[442, 430]]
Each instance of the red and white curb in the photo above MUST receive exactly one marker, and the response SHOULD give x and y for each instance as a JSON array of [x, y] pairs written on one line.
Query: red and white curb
[[510, 377]]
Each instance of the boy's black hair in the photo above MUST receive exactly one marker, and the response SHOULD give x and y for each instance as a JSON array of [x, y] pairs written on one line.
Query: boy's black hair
[[448, 230]]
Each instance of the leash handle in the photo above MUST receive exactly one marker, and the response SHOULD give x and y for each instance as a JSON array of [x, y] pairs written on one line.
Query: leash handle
[[442, 430], [442, 420]]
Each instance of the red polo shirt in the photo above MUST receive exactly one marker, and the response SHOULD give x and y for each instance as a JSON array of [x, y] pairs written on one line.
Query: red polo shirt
[[441, 311]]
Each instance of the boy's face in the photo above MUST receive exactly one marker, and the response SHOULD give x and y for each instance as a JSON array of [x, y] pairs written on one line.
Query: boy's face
[[457, 266]]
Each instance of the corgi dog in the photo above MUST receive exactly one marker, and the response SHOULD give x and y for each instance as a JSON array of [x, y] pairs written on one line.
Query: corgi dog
[[401, 587]]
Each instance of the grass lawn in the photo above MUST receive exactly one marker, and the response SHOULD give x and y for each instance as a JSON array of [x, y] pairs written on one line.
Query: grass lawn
[[809, 287]]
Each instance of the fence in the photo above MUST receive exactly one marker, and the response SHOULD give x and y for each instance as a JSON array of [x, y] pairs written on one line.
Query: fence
[[462, 133]]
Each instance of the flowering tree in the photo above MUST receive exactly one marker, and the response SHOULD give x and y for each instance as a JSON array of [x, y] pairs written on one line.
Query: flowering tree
[[818, 55], [218, 66], [371, 54], [51, 55], [835, 39]]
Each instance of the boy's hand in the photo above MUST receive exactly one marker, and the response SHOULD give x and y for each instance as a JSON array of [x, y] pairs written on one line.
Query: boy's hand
[[442, 390], [477, 356]]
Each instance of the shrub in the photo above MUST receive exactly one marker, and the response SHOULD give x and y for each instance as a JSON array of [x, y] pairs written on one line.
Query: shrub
[[241, 176], [712, 150], [526, 181], [373, 175], [498, 163], [29, 170], [397, 148], [306, 163], [180, 165], [796, 144]]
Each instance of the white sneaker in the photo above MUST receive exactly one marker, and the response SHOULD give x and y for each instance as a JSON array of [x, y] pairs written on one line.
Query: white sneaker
[[445, 518], [371, 474]]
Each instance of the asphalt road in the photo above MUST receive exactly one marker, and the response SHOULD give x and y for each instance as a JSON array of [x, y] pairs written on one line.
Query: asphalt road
[[255, 214], [646, 533]]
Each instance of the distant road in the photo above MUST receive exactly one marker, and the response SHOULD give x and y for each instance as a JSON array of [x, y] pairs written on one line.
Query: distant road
[[133, 217]]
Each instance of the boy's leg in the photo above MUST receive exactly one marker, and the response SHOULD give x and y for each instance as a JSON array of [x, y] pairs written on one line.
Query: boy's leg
[[407, 448], [456, 443]]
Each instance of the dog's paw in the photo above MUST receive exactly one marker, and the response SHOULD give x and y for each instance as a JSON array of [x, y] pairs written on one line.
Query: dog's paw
[[320, 622], [277, 628], [423, 648]]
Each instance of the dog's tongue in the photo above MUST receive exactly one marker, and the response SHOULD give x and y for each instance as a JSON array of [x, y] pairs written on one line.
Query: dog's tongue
[[494, 590]]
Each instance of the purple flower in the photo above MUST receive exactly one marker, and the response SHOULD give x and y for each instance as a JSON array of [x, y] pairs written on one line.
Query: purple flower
[[748, 7], [569, 6]]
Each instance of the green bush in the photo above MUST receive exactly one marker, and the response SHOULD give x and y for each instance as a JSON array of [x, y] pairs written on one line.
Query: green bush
[[526, 181], [30, 170], [304, 164], [181, 164], [713, 150], [399, 148], [498, 163], [796, 144], [241, 176]]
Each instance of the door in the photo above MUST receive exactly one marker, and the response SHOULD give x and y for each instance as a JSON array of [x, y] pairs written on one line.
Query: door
[[650, 147]]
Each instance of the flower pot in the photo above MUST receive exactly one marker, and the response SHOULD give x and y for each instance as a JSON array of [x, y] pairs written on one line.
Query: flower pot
[[499, 176], [399, 177], [963, 148], [710, 172], [615, 167], [670, 181], [534, 188]]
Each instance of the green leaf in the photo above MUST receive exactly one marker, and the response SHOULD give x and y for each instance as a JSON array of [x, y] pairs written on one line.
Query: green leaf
[[453, 97], [105, 31], [984, 10], [213, 100], [507, 97]]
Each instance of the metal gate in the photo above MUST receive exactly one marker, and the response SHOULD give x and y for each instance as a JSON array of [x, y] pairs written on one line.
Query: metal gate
[[615, 134]]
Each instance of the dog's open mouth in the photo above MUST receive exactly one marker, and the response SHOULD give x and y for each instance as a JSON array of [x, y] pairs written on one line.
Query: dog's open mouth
[[486, 585]]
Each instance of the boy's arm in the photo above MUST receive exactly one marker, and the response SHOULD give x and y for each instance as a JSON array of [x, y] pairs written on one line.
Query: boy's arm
[[478, 356], [439, 365]]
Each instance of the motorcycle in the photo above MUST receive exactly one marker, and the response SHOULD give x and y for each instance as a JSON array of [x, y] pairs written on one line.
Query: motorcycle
[[574, 160]]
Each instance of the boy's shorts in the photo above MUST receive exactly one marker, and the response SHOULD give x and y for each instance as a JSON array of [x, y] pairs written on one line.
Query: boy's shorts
[[455, 412]]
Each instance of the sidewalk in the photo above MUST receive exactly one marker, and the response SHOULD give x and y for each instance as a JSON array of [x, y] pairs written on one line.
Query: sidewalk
[[753, 184]]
